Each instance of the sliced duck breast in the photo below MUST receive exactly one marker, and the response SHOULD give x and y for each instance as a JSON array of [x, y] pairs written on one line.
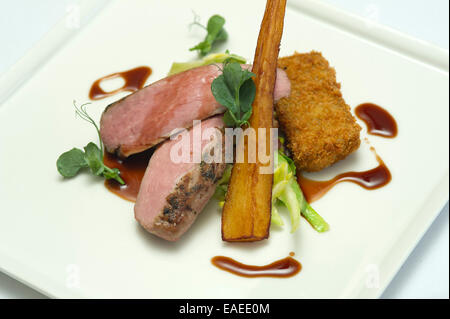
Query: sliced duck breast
[[173, 193], [148, 116]]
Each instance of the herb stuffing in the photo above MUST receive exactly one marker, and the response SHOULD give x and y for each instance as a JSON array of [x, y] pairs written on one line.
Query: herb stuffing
[[71, 162], [215, 33]]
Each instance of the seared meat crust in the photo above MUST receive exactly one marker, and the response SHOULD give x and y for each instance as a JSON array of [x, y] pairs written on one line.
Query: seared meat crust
[[193, 187]]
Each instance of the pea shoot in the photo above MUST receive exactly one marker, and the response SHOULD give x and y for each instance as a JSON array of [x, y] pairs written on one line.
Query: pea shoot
[[215, 33], [235, 90], [70, 163]]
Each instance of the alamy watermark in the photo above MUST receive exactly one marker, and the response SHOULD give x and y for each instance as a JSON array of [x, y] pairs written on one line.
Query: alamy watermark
[[73, 276], [73, 16], [372, 14], [230, 145], [372, 276]]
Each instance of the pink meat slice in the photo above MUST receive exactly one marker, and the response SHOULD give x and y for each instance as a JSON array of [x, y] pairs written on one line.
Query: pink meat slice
[[148, 116], [172, 194]]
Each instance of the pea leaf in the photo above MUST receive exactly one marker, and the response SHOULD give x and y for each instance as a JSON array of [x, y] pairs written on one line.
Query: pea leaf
[[246, 116], [235, 90], [94, 158], [204, 47], [215, 25], [233, 76], [215, 33], [229, 119], [247, 95], [222, 36], [223, 94], [70, 162], [113, 173]]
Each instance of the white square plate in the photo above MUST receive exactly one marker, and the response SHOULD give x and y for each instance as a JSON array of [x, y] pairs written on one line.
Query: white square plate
[[76, 239]]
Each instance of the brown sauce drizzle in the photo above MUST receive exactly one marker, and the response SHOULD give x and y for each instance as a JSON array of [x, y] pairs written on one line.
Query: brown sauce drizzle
[[372, 179], [134, 80], [378, 120], [132, 171], [286, 267]]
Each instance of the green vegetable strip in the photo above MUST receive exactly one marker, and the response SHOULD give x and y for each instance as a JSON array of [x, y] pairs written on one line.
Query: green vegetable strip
[[222, 184], [316, 221], [288, 195], [293, 204], [276, 218], [285, 190], [295, 201], [178, 67]]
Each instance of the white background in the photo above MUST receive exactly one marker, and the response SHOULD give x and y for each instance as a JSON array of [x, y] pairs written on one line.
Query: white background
[[426, 272]]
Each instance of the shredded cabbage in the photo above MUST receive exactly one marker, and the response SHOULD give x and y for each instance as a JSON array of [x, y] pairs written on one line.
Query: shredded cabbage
[[285, 191], [209, 59], [290, 194]]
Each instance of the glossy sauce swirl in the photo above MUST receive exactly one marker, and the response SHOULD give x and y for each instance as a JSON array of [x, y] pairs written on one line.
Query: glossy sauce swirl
[[286, 267], [370, 179], [378, 120], [132, 171], [134, 80]]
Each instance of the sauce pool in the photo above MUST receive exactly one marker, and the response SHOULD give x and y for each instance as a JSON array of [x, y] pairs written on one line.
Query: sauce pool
[[371, 179], [378, 120], [283, 268], [134, 80], [132, 171]]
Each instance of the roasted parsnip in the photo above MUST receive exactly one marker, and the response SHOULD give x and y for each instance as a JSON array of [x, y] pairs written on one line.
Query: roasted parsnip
[[247, 210]]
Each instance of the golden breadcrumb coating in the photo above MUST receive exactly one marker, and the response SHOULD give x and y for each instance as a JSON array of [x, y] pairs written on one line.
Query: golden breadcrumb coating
[[319, 127]]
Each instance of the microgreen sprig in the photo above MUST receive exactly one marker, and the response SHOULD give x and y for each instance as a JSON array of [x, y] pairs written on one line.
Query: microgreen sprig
[[215, 33], [71, 162], [235, 90]]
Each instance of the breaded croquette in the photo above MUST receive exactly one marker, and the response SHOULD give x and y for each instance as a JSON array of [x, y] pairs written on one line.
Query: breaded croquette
[[319, 127]]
